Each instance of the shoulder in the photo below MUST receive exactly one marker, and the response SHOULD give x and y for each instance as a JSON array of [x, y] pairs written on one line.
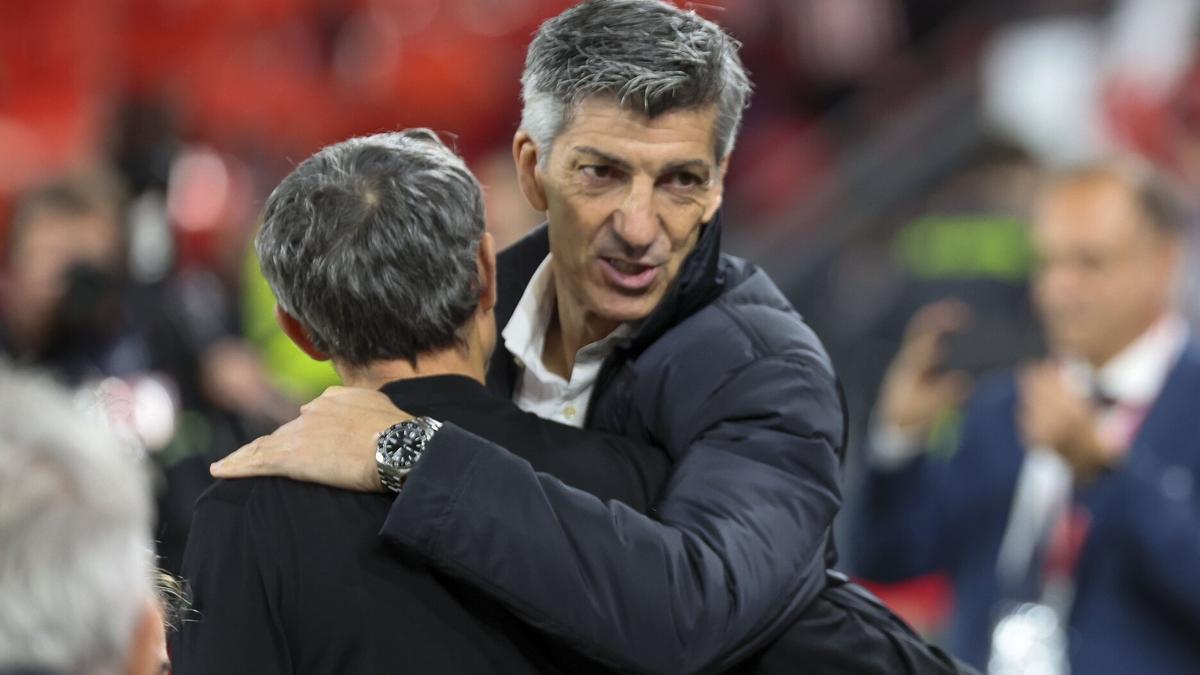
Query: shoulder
[[240, 492], [750, 321], [275, 499], [747, 355], [765, 315]]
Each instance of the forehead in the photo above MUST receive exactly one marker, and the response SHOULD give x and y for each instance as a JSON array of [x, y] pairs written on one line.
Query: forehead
[[47, 221], [1099, 212], [673, 136]]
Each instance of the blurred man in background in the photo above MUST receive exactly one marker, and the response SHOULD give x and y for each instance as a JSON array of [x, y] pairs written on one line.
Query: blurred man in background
[[62, 283], [75, 572], [1067, 517]]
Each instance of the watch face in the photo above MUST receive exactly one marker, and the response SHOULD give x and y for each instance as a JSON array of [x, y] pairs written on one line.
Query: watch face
[[410, 443]]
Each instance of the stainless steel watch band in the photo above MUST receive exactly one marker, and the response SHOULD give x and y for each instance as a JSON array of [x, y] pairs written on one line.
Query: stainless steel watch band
[[399, 447]]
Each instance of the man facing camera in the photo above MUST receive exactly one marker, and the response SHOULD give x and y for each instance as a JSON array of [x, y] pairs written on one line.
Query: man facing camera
[[622, 315], [376, 251], [1068, 517]]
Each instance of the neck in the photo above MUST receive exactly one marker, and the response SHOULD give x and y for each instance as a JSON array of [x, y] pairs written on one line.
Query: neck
[[446, 362], [1100, 360], [571, 328]]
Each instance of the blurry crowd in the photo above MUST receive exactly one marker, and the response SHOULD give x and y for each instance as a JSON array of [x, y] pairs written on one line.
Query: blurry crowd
[[137, 144]]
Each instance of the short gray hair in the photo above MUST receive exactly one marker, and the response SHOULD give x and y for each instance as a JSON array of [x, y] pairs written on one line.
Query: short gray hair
[[371, 244], [651, 57], [75, 560]]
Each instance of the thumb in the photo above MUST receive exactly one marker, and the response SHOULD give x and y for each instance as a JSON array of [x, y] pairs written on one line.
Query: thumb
[[954, 388]]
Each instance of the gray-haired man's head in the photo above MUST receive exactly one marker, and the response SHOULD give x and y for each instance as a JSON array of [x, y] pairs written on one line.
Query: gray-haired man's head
[[75, 560], [372, 243], [649, 56]]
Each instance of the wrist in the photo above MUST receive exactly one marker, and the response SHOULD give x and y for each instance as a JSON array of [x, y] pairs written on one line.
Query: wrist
[[399, 448]]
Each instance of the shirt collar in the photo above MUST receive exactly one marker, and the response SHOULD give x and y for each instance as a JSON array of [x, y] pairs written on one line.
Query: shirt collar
[[1138, 372], [525, 334]]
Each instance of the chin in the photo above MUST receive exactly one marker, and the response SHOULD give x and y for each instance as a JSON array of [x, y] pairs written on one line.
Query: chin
[[616, 307]]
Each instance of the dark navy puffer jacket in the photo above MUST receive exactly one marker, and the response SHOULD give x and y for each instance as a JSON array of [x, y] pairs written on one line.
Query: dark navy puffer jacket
[[730, 381]]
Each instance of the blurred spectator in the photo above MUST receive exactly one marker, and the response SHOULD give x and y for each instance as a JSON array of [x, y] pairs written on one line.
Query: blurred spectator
[[75, 555], [1066, 516], [163, 359], [62, 293], [967, 240]]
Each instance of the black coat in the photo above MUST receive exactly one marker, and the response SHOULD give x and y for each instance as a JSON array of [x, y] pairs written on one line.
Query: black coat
[[727, 379], [290, 577]]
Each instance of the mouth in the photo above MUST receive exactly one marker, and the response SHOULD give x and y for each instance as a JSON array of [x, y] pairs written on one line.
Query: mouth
[[629, 276]]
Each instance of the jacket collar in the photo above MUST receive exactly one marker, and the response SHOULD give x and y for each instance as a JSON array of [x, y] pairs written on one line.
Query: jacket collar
[[1171, 416], [698, 283]]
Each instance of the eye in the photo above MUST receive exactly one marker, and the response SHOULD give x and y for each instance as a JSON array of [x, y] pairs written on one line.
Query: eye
[[598, 173], [684, 181]]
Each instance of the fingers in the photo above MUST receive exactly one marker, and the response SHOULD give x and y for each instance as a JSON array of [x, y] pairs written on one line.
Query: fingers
[[953, 388], [926, 332], [941, 317], [244, 462], [261, 457], [1050, 413]]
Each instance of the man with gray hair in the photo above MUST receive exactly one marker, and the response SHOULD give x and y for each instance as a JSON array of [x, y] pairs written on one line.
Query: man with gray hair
[[376, 252], [75, 555], [622, 315]]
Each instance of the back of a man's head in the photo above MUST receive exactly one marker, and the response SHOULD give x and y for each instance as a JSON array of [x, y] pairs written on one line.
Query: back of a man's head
[[75, 554], [371, 244], [648, 55]]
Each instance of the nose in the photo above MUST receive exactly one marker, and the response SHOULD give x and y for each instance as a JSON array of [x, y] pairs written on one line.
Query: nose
[[636, 223], [1059, 284]]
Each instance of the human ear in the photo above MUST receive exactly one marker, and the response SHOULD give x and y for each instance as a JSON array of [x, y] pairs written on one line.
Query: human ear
[[487, 273], [718, 193], [527, 155], [298, 334], [148, 648]]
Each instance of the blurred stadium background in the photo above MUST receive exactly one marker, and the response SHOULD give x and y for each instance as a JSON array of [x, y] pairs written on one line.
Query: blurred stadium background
[[887, 160]]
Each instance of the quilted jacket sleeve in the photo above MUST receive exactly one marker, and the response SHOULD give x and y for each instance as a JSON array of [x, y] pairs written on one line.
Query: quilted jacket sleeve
[[730, 554]]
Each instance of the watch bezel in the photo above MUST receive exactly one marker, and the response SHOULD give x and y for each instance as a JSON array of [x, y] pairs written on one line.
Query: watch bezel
[[399, 447]]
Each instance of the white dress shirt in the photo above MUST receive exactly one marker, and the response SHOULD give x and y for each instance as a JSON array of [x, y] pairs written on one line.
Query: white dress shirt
[[539, 390]]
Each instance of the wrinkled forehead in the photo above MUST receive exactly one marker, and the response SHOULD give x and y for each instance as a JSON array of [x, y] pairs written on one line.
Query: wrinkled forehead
[[602, 123]]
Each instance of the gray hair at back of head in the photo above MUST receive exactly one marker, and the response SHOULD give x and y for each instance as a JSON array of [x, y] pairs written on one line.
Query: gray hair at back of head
[[649, 56], [371, 244], [75, 560]]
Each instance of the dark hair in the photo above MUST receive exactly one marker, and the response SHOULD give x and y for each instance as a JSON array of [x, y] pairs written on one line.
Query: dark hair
[[74, 195], [371, 244], [650, 56]]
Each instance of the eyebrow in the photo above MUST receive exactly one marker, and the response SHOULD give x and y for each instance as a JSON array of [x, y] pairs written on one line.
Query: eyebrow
[[693, 164], [604, 156]]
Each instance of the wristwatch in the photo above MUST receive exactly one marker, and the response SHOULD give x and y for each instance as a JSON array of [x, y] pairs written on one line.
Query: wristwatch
[[398, 448]]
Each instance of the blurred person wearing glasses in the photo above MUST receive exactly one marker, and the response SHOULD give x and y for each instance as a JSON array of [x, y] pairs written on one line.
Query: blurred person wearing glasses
[[1067, 517]]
